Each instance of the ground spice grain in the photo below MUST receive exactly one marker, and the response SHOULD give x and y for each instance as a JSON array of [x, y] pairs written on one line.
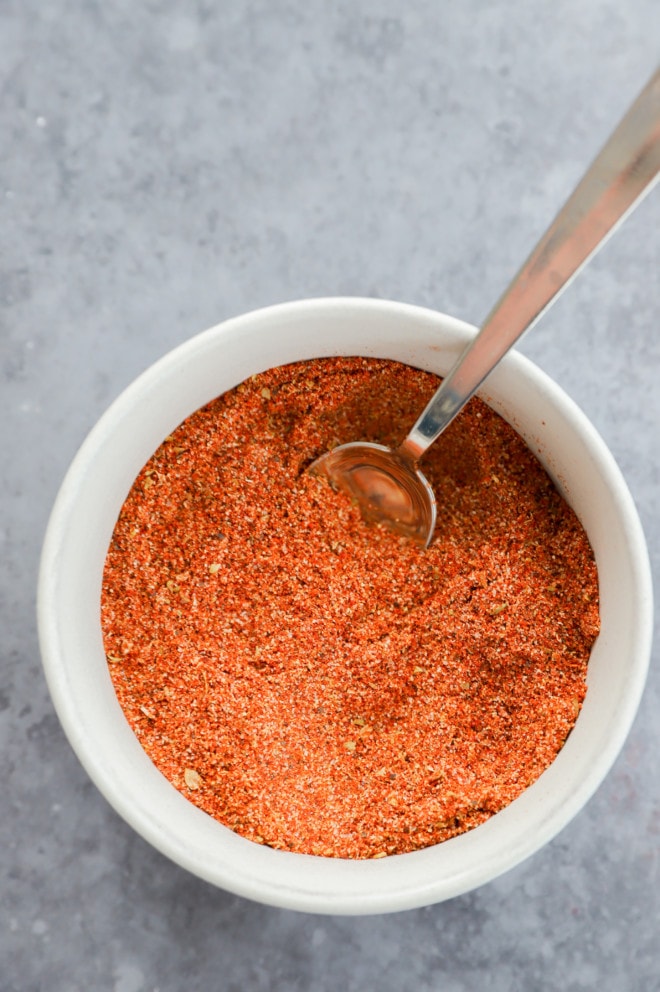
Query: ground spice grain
[[322, 686]]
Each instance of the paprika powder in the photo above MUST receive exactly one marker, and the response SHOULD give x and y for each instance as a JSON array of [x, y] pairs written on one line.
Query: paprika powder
[[323, 686]]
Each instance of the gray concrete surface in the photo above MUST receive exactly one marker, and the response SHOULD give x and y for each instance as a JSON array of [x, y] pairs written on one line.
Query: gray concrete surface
[[166, 164]]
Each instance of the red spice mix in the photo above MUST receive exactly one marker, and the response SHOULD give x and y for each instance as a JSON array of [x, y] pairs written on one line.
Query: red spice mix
[[323, 686]]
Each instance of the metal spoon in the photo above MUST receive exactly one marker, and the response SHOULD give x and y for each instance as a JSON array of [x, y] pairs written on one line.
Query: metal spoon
[[386, 483]]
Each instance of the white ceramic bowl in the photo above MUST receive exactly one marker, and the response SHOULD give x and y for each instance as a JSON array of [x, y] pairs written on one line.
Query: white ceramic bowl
[[70, 586]]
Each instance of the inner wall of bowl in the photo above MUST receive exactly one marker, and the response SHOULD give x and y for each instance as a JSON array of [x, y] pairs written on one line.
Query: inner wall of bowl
[[82, 524]]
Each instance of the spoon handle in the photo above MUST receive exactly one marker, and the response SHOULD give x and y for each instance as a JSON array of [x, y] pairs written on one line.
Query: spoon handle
[[623, 172]]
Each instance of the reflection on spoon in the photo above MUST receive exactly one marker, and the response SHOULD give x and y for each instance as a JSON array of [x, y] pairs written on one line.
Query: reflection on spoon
[[386, 485]]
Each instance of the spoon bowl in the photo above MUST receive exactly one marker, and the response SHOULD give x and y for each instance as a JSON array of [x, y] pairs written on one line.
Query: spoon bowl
[[387, 486]]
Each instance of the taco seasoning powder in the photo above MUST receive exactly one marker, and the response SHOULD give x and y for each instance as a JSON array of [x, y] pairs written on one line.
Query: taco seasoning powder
[[323, 686]]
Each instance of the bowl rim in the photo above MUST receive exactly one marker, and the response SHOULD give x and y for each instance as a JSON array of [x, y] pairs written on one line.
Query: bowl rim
[[298, 881]]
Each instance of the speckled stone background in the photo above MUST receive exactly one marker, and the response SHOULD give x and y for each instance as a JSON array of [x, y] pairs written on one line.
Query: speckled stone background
[[164, 165]]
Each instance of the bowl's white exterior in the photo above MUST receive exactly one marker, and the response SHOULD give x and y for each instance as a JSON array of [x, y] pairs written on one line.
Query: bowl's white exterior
[[70, 584]]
